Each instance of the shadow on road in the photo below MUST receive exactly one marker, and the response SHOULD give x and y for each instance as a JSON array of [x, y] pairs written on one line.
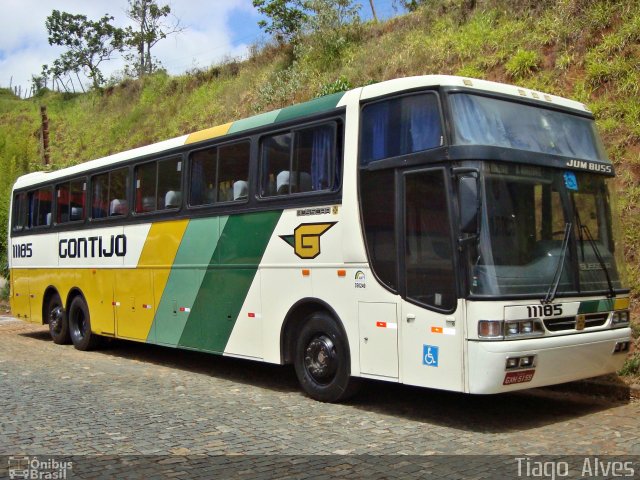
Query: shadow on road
[[476, 413]]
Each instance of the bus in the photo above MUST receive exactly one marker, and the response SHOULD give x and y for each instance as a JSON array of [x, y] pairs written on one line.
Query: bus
[[437, 231]]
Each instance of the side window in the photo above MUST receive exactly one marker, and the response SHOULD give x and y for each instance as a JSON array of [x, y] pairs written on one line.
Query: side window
[[400, 126], [275, 160], [378, 194], [203, 177], [220, 174], [428, 250], [70, 201], [109, 195], [20, 212], [233, 172], [118, 198], [40, 207], [145, 180], [169, 184], [158, 185], [310, 166]]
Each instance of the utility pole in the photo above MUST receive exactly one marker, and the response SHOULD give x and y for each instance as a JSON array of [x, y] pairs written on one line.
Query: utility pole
[[46, 160], [373, 10]]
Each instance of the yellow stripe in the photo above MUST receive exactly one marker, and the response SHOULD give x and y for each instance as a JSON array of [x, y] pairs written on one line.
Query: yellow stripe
[[209, 133], [139, 291]]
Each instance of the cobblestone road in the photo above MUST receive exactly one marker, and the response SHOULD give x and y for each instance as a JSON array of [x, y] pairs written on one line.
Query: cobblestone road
[[132, 399]]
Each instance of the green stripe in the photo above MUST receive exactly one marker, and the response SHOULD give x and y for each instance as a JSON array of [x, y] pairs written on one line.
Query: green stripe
[[595, 306], [317, 105], [254, 122], [189, 267], [227, 281]]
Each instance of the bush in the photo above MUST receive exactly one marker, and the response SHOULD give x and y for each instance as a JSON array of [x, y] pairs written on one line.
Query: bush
[[339, 85], [631, 366], [523, 63]]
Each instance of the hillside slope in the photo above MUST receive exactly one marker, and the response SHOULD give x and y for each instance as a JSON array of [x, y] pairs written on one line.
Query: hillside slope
[[588, 50]]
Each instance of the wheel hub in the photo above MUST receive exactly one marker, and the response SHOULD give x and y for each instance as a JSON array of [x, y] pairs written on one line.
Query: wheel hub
[[55, 318], [320, 358]]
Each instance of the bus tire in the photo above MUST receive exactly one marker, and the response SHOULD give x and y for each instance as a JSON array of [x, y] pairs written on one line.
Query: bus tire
[[322, 361], [57, 319], [80, 325]]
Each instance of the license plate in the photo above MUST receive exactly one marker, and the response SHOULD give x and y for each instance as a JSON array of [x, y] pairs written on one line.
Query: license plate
[[518, 377]]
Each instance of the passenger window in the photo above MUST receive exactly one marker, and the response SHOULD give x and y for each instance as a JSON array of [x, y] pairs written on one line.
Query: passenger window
[[311, 166], [276, 159], [233, 172], [40, 207], [20, 212], [70, 201], [400, 126], [203, 177], [145, 176], [158, 185], [220, 174], [109, 195], [169, 184]]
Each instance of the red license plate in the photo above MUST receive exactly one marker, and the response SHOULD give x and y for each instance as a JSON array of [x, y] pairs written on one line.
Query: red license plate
[[518, 377]]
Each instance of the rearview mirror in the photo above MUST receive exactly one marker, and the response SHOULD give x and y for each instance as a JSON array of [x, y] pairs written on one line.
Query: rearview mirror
[[469, 201]]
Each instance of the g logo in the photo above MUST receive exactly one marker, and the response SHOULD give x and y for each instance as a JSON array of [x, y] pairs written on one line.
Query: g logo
[[306, 238]]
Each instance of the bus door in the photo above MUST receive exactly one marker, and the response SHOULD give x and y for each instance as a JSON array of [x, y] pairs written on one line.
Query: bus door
[[431, 327]]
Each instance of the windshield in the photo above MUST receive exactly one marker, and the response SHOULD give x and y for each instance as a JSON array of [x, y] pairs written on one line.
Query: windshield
[[482, 120], [526, 210]]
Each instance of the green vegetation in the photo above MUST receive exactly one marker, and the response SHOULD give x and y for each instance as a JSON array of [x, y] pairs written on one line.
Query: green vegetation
[[588, 50]]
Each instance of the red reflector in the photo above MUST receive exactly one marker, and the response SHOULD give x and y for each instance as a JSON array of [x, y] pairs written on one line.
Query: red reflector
[[518, 377], [252, 315], [381, 324]]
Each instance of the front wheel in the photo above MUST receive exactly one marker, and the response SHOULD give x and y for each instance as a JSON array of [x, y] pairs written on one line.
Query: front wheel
[[322, 360], [80, 325], [57, 319]]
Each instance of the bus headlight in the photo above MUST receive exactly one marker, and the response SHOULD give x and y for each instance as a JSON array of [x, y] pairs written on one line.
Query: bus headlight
[[620, 318], [490, 329], [500, 330], [523, 328]]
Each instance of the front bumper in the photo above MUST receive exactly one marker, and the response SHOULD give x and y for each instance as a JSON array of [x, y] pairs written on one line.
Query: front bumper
[[559, 359]]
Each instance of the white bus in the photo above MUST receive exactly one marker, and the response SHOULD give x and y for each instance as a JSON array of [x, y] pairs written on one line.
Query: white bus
[[434, 231]]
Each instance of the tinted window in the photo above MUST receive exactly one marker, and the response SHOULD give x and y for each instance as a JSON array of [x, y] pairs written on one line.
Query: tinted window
[[109, 194], [70, 201], [378, 195], [400, 126], [40, 207], [310, 166], [428, 251], [20, 211], [276, 158], [145, 176], [169, 184], [220, 174]]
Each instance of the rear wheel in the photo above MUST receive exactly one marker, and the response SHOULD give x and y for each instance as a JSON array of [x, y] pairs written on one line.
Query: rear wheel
[[57, 319], [80, 326], [322, 360]]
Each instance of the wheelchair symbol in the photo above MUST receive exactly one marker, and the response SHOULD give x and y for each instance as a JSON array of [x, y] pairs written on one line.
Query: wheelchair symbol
[[430, 355]]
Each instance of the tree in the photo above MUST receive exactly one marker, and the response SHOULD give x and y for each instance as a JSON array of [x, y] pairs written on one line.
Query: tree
[[286, 18], [152, 25], [88, 43]]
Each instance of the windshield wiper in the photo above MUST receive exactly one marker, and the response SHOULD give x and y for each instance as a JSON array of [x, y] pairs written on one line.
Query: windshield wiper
[[592, 242], [553, 288]]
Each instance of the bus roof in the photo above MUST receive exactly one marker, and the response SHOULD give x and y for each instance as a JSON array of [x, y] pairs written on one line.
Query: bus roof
[[318, 105]]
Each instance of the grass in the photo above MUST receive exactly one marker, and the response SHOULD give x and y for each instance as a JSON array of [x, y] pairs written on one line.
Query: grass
[[594, 58]]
